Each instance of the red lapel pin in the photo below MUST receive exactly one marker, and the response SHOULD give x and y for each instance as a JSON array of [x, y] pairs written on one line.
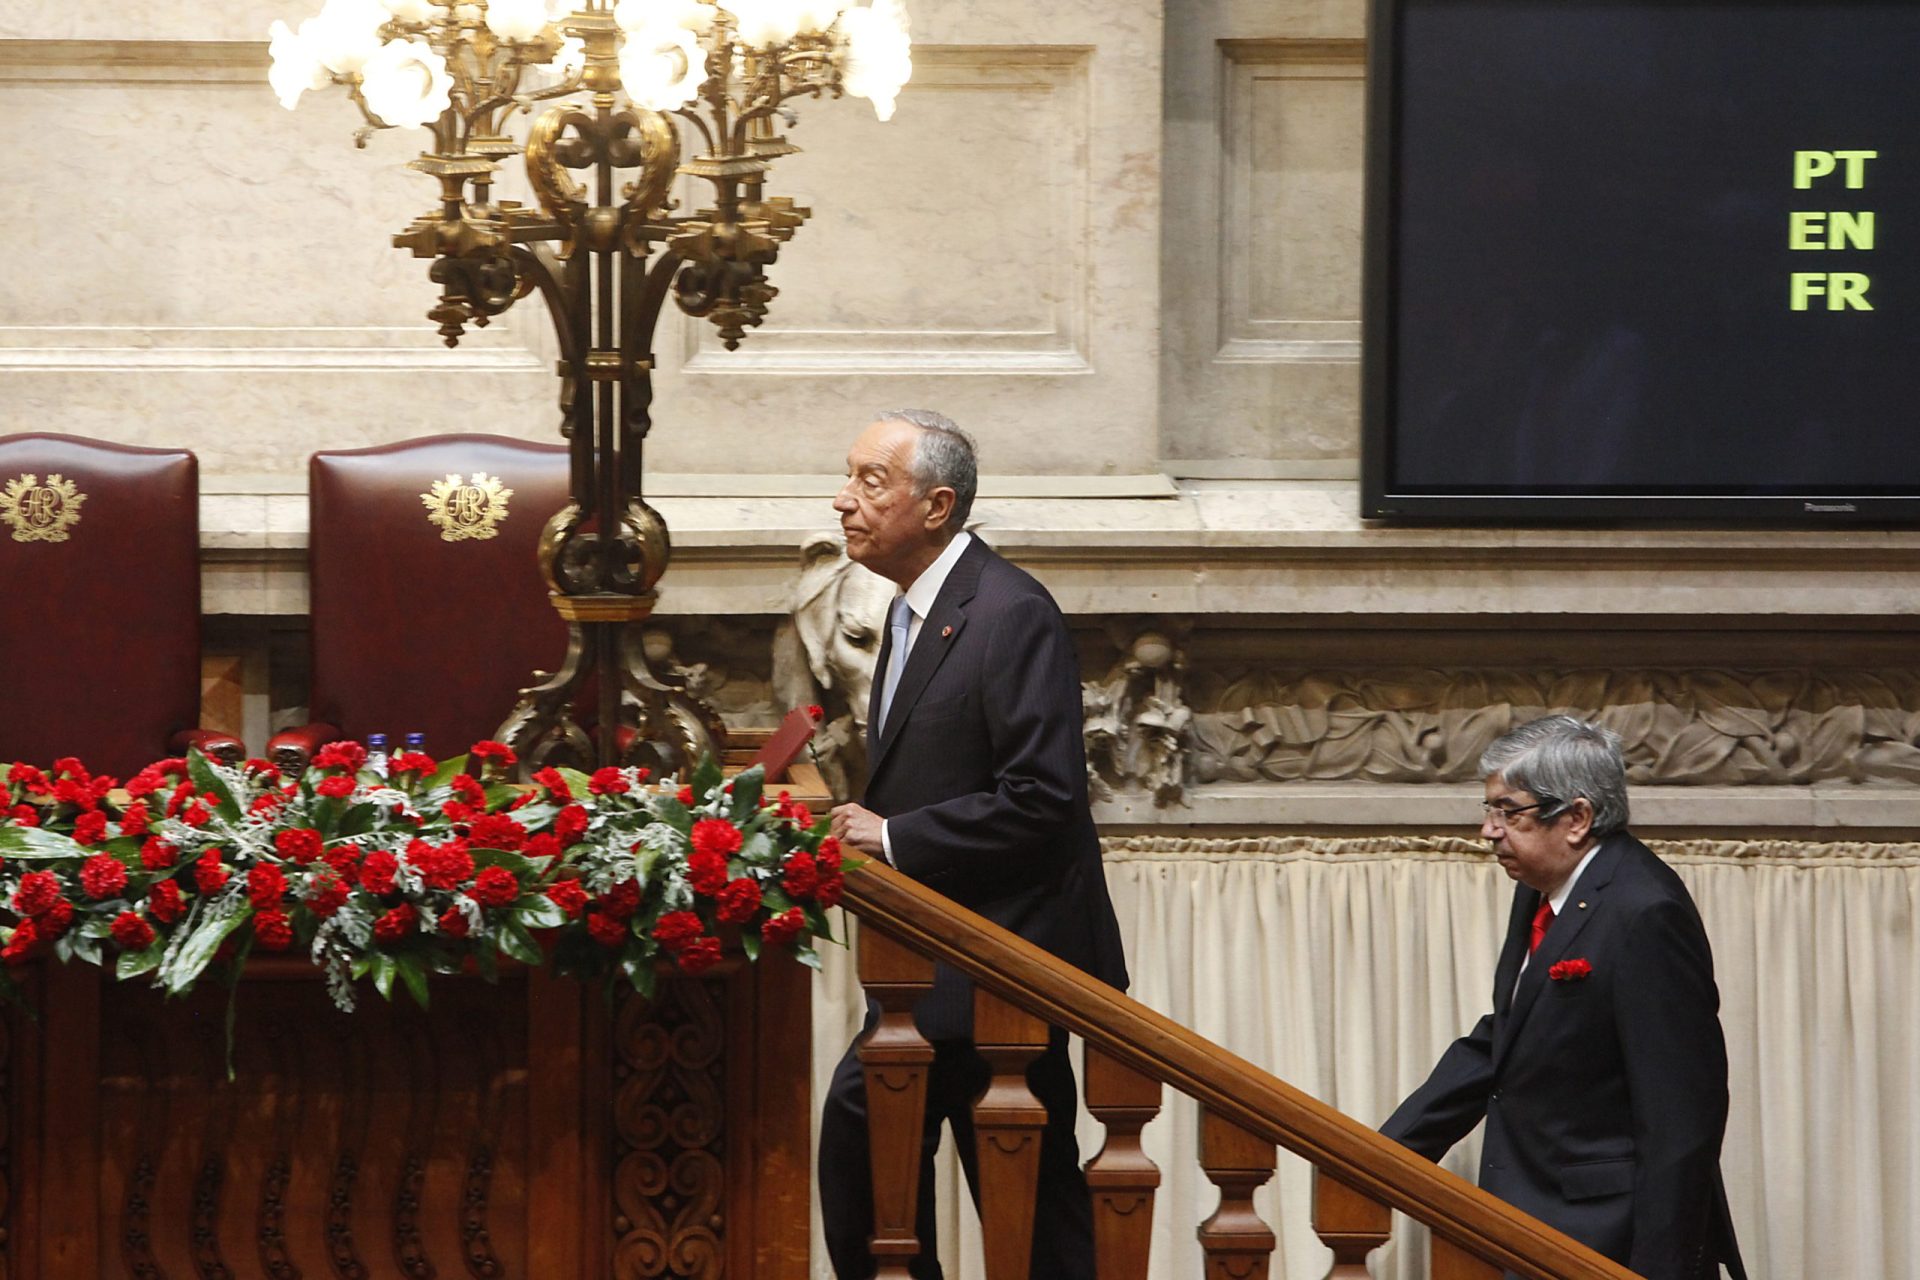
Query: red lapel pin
[[945, 632]]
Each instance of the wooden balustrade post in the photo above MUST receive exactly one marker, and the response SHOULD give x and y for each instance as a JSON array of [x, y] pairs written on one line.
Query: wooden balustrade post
[[1350, 1224], [1237, 1243], [894, 1061], [1121, 1177], [1448, 1261], [1008, 1121]]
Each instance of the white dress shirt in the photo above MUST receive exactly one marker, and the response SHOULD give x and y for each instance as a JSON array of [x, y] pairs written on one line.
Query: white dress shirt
[[1557, 901], [920, 597]]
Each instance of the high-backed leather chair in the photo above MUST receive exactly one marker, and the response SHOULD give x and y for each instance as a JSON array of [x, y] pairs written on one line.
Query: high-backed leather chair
[[428, 609], [100, 584]]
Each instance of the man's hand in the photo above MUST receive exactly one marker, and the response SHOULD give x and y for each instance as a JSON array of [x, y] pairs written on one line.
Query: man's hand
[[860, 828]]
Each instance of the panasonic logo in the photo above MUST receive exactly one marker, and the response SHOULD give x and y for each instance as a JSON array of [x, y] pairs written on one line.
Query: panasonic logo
[[1837, 507]]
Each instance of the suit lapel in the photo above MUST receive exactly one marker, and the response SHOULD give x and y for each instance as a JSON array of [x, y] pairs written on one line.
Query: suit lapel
[[1582, 905], [943, 624]]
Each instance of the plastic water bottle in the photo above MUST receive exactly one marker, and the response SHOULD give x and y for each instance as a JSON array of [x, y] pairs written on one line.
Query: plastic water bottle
[[377, 754], [417, 742]]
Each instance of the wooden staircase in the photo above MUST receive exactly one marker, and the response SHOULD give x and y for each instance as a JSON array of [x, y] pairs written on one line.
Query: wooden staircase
[[1132, 1055]]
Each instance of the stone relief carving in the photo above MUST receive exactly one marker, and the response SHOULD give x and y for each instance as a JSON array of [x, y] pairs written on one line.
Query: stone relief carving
[[824, 653], [1138, 727], [1688, 727]]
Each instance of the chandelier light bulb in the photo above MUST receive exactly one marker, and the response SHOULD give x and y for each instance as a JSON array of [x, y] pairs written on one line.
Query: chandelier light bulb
[[879, 57], [662, 67], [571, 59], [815, 16], [406, 84], [762, 24], [345, 33], [516, 19], [296, 68]]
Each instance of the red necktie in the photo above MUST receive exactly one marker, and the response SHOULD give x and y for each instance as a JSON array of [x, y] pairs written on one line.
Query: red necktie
[[1542, 921]]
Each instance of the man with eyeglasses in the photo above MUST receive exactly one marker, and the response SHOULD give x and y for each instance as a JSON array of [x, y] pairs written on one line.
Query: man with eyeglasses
[[1601, 1071]]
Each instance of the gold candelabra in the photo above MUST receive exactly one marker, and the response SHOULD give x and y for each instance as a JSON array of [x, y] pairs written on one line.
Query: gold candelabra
[[610, 89]]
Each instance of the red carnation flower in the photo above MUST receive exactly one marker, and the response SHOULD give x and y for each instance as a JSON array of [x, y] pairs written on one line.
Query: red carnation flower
[[25, 775], [345, 862], [446, 866], [570, 824], [608, 931], [90, 828], [828, 859], [609, 781], [20, 946], [555, 785], [622, 900], [716, 835], [74, 792], [800, 873], [272, 930], [51, 925], [208, 874], [165, 902], [135, 820], [411, 762], [676, 929], [453, 923], [1570, 970], [266, 803], [144, 783], [326, 894], [468, 790], [298, 844], [377, 871], [491, 752], [706, 872], [25, 815], [571, 898], [738, 901], [522, 800], [71, 766], [266, 886], [544, 845], [265, 770], [685, 796], [699, 955], [397, 923], [495, 887], [344, 754], [196, 814], [828, 894], [37, 893], [816, 712], [103, 876], [338, 787], [497, 831], [131, 932], [782, 929]]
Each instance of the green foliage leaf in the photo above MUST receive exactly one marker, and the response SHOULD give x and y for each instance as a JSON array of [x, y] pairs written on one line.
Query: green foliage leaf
[[134, 963], [706, 778], [205, 780], [37, 844], [577, 781], [516, 942], [86, 948], [538, 911], [747, 787], [514, 862], [414, 974], [806, 955], [208, 932], [383, 971], [449, 769], [639, 971], [750, 943]]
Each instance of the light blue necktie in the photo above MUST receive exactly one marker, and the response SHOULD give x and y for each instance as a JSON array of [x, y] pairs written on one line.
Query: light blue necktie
[[898, 619]]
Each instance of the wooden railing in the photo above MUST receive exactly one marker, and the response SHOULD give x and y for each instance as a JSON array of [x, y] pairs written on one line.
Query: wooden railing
[[1132, 1052]]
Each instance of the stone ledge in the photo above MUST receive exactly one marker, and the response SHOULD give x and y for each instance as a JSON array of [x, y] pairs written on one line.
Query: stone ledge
[[1147, 545]]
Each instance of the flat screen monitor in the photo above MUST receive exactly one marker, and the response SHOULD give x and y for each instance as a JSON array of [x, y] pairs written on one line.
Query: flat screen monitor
[[1653, 259]]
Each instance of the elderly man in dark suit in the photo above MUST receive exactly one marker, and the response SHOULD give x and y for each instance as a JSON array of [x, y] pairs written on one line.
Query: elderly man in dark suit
[[1601, 1072], [976, 786]]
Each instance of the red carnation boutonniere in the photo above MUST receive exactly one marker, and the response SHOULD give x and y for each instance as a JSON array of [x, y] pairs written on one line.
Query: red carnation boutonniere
[[1569, 970]]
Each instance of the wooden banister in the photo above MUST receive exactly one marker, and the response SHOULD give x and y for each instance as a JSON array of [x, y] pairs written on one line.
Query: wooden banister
[[1490, 1234]]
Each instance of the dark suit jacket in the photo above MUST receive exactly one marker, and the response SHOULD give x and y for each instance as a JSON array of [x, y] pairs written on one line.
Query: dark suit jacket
[[981, 774], [1605, 1097]]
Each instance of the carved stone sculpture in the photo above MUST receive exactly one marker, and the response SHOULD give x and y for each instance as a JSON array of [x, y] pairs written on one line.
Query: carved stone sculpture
[[824, 653], [1138, 725]]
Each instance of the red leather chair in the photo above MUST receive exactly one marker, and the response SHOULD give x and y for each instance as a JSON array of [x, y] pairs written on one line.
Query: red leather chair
[[429, 613], [100, 579]]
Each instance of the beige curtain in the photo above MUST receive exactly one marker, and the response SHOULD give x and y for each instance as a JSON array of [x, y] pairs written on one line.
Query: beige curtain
[[1346, 965]]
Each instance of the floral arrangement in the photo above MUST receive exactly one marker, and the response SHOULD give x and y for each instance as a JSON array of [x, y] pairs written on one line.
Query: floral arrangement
[[425, 867]]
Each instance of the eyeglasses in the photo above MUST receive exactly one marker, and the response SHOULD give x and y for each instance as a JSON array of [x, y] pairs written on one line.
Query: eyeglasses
[[1500, 815]]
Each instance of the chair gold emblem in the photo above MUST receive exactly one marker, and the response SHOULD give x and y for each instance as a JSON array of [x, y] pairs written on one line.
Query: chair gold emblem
[[473, 509], [40, 512]]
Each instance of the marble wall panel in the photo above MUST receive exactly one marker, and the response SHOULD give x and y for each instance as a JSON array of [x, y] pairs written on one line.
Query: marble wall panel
[[1265, 134]]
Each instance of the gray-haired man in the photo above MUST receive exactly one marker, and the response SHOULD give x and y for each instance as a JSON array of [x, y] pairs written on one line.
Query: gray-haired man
[[1601, 1072]]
